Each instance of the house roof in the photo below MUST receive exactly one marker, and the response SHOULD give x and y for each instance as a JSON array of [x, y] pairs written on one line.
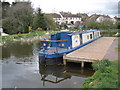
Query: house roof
[[55, 15], [95, 16], [68, 14]]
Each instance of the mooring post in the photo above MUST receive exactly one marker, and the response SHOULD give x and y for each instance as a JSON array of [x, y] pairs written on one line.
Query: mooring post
[[82, 64], [64, 62]]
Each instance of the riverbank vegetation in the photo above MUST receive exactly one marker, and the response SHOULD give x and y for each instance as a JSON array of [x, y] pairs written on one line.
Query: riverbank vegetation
[[110, 32], [20, 17], [14, 37], [31, 36], [106, 75]]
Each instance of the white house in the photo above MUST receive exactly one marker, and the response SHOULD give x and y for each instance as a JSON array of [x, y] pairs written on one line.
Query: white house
[[100, 18], [67, 18], [103, 18]]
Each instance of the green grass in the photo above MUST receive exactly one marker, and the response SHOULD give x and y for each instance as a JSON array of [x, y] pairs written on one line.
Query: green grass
[[10, 38], [106, 75], [110, 33]]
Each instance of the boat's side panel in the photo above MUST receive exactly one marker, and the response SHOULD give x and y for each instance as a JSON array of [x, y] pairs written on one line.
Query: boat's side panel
[[87, 37], [96, 34], [75, 40], [61, 36], [71, 50], [65, 44]]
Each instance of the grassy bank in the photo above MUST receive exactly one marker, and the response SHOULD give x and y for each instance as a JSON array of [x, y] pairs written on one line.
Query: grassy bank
[[31, 35], [14, 37], [24, 36], [110, 33], [106, 75]]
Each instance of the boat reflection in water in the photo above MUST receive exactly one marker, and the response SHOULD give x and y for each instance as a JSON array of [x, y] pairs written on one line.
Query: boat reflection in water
[[53, 73], [58, 73]]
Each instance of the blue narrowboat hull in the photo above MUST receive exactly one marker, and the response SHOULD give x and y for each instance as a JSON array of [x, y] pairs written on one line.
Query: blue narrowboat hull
[[56, 58], [50, 61]]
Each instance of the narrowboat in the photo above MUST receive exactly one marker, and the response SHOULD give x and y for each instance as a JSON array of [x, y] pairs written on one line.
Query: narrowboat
[[64, 42]]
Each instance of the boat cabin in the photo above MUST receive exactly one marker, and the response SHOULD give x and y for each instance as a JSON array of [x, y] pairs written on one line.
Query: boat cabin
[[73, 39]]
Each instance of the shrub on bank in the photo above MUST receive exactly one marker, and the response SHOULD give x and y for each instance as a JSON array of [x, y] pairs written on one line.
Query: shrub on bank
[[10, 38], [106, 75]]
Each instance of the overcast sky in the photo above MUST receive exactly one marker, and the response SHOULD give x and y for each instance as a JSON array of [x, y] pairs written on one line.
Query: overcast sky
[[109, 7]]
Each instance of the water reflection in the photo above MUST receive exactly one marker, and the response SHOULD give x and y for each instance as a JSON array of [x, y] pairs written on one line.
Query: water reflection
[[53, 74], [23, 74], [58, 73], [19, 50]]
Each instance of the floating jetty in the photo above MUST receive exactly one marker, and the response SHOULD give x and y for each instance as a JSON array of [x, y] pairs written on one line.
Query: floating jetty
[[92, 52]]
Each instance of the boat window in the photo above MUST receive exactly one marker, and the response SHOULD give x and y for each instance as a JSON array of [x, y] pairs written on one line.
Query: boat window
[[63, 45], [90, 36], [87, 36], [44, 44], [98, 34]]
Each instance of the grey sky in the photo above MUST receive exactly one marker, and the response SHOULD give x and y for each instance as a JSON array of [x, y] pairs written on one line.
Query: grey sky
[[109, 7]]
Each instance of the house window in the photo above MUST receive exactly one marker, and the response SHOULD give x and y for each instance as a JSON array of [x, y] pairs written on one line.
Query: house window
[[90, 36], [66, 22], [72, 22], [58, 22]]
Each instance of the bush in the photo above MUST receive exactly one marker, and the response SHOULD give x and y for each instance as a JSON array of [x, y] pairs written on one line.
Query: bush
[[106, 75], [100, 65]]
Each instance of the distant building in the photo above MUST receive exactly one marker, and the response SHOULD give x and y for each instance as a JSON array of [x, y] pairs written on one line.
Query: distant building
[[100, 18], [117, 18], [73, 20], [67, 18], [114, 20]]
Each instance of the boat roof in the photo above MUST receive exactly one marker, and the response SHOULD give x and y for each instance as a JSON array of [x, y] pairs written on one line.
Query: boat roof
[[78, 32]]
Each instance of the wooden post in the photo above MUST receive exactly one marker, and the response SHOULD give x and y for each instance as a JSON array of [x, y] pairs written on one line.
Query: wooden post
[[82, 64], [64, 62]]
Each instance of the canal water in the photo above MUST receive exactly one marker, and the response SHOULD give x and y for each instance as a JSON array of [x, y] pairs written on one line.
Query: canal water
[[21, 69]]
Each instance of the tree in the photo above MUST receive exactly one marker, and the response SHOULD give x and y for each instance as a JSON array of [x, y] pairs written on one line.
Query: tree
[[50, 22], [20, 17], [39, 20], [5, 7], [44, 21], [106, 24], [118, 25], [91, 24]]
